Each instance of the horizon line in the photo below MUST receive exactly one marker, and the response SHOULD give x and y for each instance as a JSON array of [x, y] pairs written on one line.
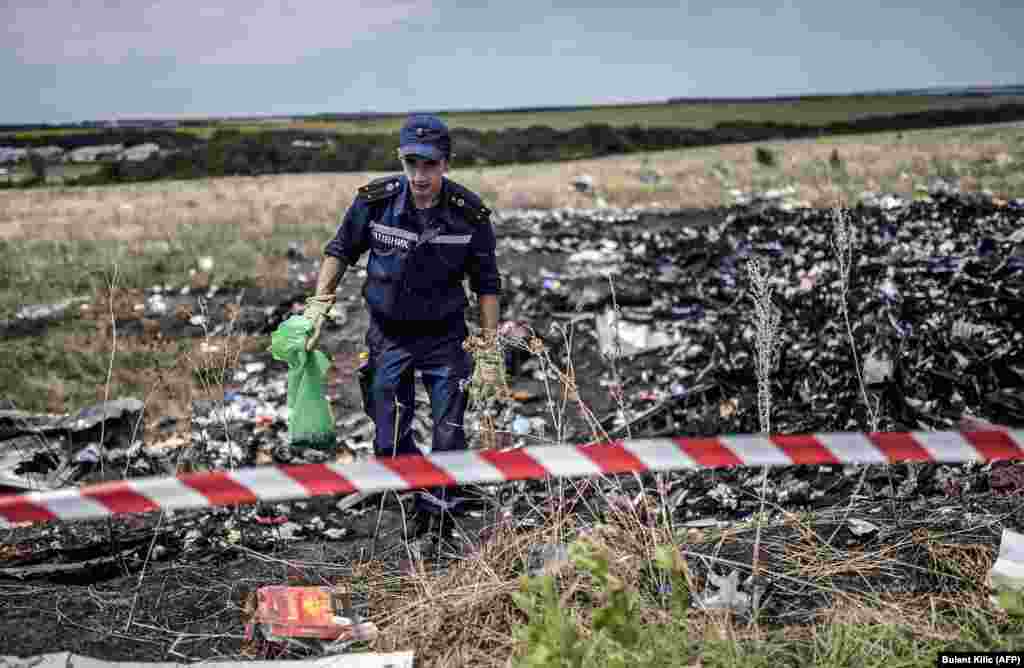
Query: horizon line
[[950, 91]]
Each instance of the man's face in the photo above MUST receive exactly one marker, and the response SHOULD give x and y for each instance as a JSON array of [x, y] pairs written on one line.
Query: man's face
[[424, 174]]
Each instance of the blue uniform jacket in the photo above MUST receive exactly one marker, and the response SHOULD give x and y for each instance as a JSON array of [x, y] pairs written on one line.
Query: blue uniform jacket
[[412, 277]]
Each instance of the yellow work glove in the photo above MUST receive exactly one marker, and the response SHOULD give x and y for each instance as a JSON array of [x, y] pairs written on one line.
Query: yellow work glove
[[317, 308], [489, 376]]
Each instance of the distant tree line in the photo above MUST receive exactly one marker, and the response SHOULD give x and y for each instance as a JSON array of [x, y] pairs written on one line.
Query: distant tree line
[[276, 151], [166, 139], [25, 127]]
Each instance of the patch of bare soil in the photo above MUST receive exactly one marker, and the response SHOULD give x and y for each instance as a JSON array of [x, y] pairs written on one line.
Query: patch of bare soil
[[146, 588]]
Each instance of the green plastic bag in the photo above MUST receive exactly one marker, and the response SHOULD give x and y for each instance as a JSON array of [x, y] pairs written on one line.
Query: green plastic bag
[[310, 418]]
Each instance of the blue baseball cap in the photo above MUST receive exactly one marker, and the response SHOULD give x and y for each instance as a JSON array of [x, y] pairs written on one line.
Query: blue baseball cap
[[426, 136]]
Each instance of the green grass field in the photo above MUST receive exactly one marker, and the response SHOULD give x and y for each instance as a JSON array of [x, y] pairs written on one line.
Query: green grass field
[[55, 174], [810, 111], [50, 132]]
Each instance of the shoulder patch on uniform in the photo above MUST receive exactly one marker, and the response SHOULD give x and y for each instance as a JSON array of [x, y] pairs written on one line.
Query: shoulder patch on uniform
[[462, 198], [380, 189]]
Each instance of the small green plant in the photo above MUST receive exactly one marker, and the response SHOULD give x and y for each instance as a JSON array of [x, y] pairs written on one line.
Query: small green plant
[[764, 157], [671, 562], [619, 617], [209, 376], [552, 638], [619, 638], [1012, 601]]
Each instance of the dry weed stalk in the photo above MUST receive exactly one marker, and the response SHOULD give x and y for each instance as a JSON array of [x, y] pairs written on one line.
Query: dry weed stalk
[[467, 616], [819, 563], [766, 338], [110, 365], [916, 613], [569, 392], [613, 357], [468, 608], [843, 243], [618, 395], [212, 365], [970, 561], [106, 398], [567, 383]]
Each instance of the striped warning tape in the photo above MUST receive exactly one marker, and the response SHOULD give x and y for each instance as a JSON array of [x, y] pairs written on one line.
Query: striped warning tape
[[284, 483]]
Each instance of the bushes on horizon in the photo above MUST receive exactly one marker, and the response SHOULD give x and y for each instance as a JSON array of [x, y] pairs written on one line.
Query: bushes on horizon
[[764, 157], [231, 152]]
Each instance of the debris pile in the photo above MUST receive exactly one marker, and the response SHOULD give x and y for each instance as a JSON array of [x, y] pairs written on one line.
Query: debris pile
[[935, 308], [935, 312], [934, 304]]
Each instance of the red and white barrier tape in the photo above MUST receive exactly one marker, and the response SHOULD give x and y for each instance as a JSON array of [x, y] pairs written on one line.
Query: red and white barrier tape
[[285, 483]]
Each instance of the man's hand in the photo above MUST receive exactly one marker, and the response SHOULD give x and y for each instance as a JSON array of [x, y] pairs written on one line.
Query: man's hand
[[489, 377], [317, 307]]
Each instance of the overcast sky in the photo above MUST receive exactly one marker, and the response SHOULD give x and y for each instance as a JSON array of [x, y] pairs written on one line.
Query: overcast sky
[[99, 59]]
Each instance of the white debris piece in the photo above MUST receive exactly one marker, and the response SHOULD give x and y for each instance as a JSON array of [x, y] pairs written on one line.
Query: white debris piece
[[724, 495], [633, 337], [583, 183], [728, 596], [861, 527], [877, 368], [1007, 574]]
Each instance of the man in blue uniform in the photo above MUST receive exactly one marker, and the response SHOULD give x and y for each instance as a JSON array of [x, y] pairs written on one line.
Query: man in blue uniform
[[425, 234]]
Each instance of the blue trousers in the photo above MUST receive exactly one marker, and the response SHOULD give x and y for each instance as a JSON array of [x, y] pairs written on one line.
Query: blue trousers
[[444, 366], [438, 355]]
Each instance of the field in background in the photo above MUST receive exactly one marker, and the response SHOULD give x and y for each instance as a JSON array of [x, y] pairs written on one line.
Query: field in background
[[808, 111], [55, 174], [254, 210]]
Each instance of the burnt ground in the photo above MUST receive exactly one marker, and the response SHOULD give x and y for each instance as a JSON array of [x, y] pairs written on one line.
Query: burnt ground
[[97, 596], [92, 596], [149, 588]]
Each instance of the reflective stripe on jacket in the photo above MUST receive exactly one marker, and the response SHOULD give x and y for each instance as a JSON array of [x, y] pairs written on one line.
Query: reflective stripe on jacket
[[414, 277]]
